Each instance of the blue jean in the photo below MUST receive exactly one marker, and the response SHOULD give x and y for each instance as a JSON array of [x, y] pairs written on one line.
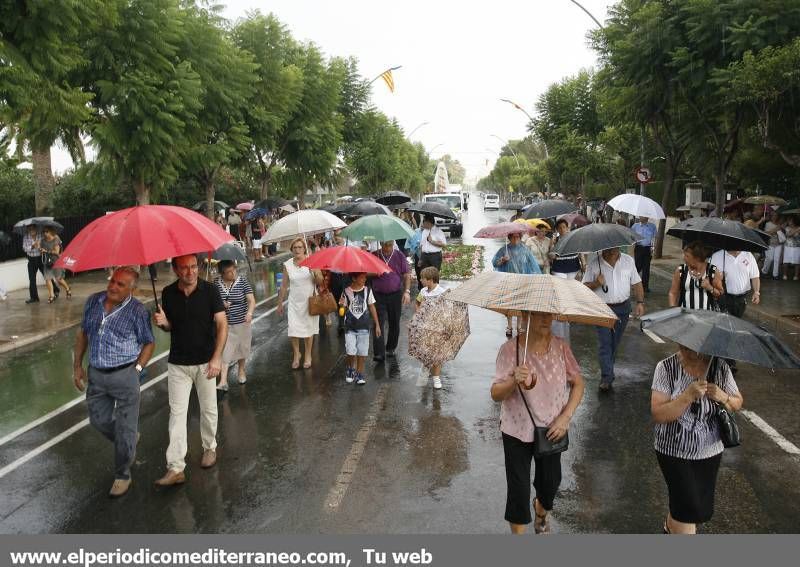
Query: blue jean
[[608, 341]]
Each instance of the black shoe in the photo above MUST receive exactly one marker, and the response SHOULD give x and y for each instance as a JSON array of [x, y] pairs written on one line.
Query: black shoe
[[390, 354], [378, 359], [605, 388], [56, 293], [31, 301]]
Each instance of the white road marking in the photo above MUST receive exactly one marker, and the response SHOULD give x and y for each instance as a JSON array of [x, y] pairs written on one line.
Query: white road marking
[[770, 432], [345, 477], [72, 403], [77, 427]]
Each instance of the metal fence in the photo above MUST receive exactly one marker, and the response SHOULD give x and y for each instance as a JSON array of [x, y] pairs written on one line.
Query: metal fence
[[11, 244]]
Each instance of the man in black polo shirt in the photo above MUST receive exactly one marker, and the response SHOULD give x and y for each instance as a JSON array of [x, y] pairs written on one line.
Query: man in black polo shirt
[[193, 313]]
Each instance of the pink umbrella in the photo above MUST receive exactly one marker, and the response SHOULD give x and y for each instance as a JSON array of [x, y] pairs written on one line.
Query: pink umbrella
[[575, 220], [503, 229], [245, 206]]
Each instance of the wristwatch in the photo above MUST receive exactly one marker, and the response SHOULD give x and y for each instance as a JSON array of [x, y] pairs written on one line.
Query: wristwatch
[[139, 368]]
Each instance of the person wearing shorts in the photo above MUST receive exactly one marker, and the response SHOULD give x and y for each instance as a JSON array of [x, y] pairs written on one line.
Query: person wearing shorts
[[359, 303]]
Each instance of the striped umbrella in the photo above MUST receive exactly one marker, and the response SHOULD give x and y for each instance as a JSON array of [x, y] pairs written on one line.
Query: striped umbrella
[[515, 294]]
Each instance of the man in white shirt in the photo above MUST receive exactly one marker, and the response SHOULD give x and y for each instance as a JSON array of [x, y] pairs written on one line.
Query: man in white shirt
[[432, 241], [611, 277], [740, 275]]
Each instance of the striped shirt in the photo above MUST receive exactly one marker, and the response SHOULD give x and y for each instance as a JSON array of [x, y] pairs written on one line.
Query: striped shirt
[[695, 434], [692, 294], [236, 296], [116, 337]]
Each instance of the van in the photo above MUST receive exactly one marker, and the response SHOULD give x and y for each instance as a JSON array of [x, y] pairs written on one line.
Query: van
[[491, 201]]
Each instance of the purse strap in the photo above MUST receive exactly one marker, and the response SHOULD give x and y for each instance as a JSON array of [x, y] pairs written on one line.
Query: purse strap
[[519, 388]]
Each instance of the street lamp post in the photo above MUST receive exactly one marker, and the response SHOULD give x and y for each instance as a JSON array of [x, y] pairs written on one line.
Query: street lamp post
[[385, 71], [507, 145], [415, 129]]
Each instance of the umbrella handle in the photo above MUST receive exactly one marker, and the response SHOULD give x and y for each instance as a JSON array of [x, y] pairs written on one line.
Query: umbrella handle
[[155, 296]]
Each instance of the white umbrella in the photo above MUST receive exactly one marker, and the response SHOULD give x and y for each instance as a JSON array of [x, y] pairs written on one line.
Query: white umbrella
[[637, 205], [302, 223]]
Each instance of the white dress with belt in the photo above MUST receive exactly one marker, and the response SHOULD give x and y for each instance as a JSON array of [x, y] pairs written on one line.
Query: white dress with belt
[[301, 287]]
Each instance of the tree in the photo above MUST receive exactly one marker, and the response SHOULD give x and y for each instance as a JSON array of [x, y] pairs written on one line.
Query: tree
[[147, 96], [227, 75], [41, 47], [278, 88]]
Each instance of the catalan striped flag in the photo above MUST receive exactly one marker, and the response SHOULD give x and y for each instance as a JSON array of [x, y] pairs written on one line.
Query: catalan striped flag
[[388, 79]]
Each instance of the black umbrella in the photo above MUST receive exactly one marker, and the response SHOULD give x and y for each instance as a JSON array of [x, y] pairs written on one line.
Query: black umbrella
[[595, 238], [218, 205], [433, 209], [514, 206], [338, 209], [41, 222], [721, 234], [366, 208], [271, 203], [722, 335], [228, 251], [549, 209], [393, 198]]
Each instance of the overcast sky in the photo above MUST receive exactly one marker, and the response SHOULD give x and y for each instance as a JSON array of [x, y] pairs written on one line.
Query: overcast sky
[[458, 59]]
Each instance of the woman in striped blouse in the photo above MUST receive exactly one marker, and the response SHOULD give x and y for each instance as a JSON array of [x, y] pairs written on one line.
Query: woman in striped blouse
[[687, 439], [240, 302], [696, 284]]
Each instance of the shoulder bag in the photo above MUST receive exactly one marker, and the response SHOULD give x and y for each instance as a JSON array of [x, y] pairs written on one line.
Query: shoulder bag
[[321, 303], [728, 428], [48, 259]]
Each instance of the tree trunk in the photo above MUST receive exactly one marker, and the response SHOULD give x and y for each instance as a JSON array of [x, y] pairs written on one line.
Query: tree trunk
[[43, 180], [211, 209], [669, 182], [719, 185], [142, 193]]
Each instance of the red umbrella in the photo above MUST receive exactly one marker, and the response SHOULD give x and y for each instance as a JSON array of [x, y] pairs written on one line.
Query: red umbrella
[[141, 235], [346, 259], [503, 229], [575, 220]]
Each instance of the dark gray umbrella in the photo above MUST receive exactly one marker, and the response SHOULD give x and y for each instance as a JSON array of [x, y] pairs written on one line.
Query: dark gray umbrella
[[218, 205], [228, 251], [393, 198], [722, 335], [41, 222], [549, 209], [403, 206], [721, 234], [338, 209], [433, 209], [514, 206], [365, 208], [595, 238]]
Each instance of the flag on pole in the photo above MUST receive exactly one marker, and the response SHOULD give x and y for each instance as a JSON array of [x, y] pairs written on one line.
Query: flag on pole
[[388, 79]]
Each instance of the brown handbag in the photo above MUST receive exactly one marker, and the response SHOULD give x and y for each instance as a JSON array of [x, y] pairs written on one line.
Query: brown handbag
[[321, 303]]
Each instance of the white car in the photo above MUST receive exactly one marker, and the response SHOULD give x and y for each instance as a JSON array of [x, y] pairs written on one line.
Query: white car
[[491, 201]]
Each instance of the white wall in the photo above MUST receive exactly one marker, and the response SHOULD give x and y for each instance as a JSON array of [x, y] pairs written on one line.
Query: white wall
[[14, 275]]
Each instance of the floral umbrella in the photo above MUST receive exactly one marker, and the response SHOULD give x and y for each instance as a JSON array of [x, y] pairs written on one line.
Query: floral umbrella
[[438, 330]]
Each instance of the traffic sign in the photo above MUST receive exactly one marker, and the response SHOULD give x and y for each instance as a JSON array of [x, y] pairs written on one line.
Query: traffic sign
[[643, 175]]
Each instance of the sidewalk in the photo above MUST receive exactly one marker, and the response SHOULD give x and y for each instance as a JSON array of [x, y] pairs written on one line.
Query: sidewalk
[[22, 324], [778, 312]]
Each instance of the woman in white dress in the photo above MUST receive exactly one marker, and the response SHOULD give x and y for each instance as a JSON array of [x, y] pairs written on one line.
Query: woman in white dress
[[299, 282]]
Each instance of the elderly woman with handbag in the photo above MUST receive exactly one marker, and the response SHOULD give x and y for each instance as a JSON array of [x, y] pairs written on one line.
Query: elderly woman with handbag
[[299, 283], [688, 441], [539, 398]]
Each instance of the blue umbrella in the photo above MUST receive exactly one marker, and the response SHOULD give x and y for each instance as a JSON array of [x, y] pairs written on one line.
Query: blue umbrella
[[255, 214]]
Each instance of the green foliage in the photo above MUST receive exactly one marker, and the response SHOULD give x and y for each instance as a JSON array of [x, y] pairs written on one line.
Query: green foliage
[[87, 192], [16, 195]]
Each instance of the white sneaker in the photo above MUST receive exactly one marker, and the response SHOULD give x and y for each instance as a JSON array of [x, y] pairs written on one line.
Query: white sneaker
[[422, 379], [437, 383]]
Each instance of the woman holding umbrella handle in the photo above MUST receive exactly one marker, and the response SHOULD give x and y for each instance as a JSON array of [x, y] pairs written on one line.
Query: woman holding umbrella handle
[[687, 438]]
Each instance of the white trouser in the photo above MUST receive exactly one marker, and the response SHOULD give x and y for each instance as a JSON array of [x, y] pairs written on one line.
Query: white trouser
[[773, 257], [180, 380]]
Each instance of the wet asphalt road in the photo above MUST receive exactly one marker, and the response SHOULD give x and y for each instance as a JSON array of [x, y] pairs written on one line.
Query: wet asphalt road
[[304, 452]]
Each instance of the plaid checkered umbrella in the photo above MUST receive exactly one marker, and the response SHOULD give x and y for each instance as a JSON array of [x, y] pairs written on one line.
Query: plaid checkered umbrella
[[513, 294], [438, 330]]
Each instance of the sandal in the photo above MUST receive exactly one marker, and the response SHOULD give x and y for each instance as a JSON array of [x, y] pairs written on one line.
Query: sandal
[[540, 525], [508, 332], [296, 364], [307, 364], [51, 299], [69, 294], [665, 529]]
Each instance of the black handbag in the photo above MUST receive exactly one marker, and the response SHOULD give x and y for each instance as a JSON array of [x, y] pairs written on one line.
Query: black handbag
[[48, 259], [728, 429], [542, 446]]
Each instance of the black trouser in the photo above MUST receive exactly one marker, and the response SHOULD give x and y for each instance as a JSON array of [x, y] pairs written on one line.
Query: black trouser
[[642, 256], [547, 478], [428, 259], [35, 264], [389, 307], [733, 305]]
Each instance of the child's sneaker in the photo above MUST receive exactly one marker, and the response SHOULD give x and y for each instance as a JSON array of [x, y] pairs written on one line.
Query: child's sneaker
[[437, 383], [349, 375], [422, 379], [360, 380]]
